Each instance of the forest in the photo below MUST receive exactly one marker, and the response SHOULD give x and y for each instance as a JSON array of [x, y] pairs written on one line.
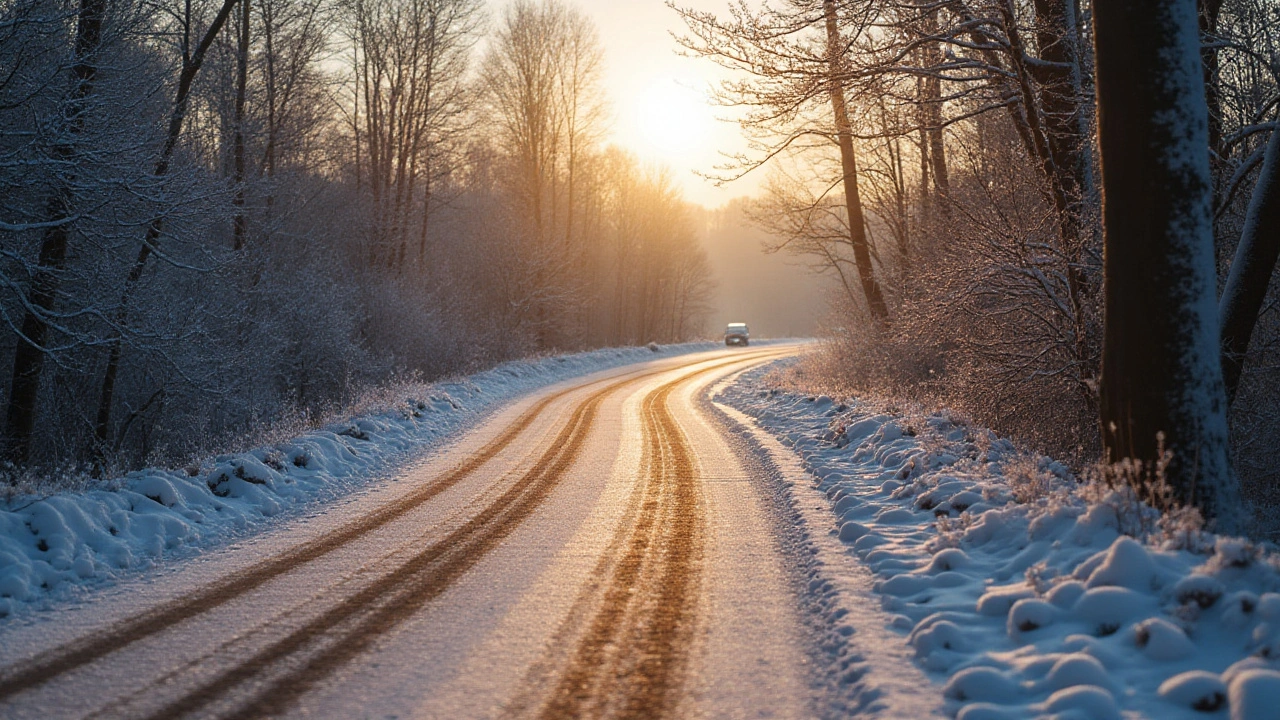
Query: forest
[[220, 216], [1060, 222]]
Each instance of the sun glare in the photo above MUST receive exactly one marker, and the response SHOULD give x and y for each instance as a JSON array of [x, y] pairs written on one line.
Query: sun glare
[[673, 120]]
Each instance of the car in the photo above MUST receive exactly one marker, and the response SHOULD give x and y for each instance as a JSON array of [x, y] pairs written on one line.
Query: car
[[736, 334]]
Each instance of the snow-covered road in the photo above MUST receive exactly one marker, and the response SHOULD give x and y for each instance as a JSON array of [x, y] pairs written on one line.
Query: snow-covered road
[[604, 547]]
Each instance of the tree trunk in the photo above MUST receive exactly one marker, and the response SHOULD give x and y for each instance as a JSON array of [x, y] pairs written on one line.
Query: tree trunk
[[1057, 39], [28, 357], [240, 224], [849, 167], [932, 110], [1050, 122], [926, 205], [1251, 270], [426, 219], [1161, 385], [269, 85], [1209, 10], [190, 67]]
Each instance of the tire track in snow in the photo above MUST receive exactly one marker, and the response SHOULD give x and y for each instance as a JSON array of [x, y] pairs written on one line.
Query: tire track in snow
[[60, 660], [347, 629], [52, 663], [631, 658], [279, 674]]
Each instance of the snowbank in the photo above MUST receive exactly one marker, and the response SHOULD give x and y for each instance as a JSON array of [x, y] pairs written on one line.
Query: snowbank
[[49, 546], [1023, 592]]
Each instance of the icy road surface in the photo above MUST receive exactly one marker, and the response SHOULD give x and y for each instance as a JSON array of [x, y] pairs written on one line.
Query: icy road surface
[[605, 547]]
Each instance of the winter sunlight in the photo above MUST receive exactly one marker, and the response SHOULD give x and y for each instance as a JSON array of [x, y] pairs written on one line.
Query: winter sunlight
[[663, 359], [673, 119]]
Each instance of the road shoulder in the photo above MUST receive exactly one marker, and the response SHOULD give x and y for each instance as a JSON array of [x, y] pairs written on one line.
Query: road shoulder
[[861, 665]]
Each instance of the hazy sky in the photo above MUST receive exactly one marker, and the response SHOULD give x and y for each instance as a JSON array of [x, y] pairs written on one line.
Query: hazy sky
[[659, 99]]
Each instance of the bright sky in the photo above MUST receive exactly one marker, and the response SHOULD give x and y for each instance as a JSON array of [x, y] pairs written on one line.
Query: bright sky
[[659, 99]]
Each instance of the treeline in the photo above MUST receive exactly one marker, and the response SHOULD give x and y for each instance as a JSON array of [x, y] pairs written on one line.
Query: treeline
[[945, 161], [216, 214]]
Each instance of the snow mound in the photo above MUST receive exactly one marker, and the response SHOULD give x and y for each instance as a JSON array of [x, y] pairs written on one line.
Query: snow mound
[[1031, 593]]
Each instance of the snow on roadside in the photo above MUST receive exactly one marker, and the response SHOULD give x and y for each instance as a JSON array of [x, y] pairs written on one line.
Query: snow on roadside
[[52, 545], [1023, 592]]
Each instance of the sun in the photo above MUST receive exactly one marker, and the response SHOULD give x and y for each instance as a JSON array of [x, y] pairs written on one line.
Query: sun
[[674, 120]]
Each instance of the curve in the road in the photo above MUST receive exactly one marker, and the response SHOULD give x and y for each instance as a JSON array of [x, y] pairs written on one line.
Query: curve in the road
[[346, 630], [272, 679]]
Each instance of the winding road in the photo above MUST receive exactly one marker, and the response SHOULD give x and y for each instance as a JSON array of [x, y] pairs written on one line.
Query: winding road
[[598, 549]]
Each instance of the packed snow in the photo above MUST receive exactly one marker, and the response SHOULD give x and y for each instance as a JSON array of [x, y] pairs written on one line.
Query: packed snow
[[52, 546], [1023, 591]]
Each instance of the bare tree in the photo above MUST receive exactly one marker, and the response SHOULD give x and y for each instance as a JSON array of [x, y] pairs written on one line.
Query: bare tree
[[1251, 270], [411, 59], [798, 65], [295, 38], [240, 222], [541, 79], [849, 164], [192, 60]]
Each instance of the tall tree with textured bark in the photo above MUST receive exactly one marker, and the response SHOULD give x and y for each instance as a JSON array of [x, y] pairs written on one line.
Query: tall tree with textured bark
[[849, 165], [29, 357], [1162, 396]]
